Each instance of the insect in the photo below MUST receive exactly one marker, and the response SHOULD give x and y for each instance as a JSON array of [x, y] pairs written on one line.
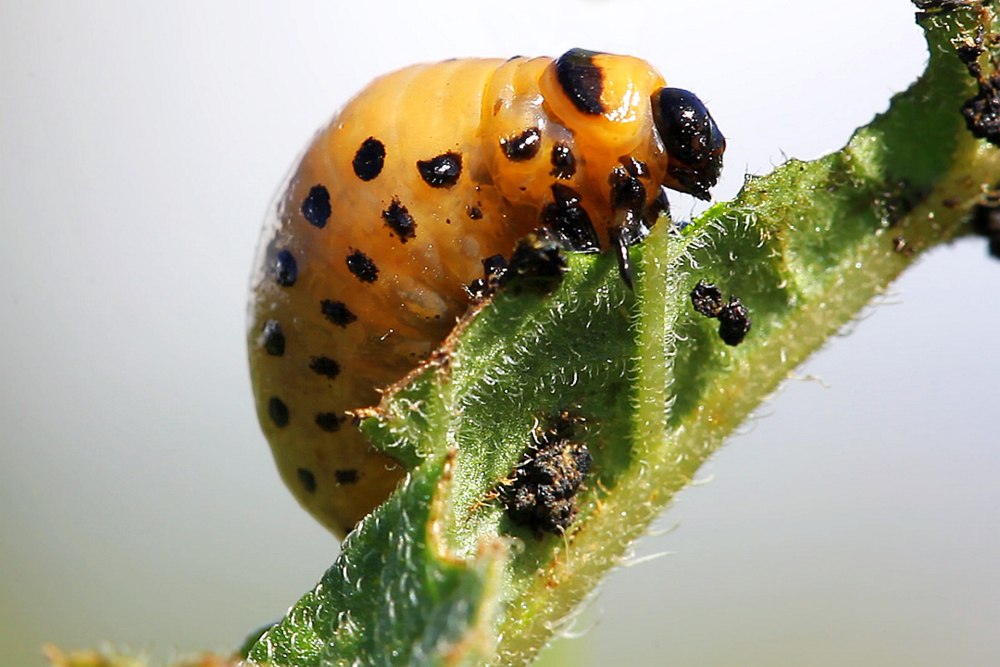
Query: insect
[[368, 252]]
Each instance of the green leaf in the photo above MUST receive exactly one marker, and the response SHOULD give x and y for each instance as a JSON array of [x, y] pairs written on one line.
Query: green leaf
[[440, 575]]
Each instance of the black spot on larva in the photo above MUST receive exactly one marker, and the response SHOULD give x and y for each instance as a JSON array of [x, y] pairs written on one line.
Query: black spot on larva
[[325, 366], [541, 494], [474, 212], [581, 80], [362, 266], [369, 159], [278, 412], [567, 217], [399, 220], [308, 480], [316, 207], [349, 476], [563, 162], [442, 171], [734, 322], [330, 421], [337, 312], [274, 338], [635, 167], [707, 299], [627, 191], [522, 147], [286, 269]]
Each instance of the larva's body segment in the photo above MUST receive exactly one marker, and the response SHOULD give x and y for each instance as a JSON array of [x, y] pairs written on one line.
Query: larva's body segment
[[364, 265]]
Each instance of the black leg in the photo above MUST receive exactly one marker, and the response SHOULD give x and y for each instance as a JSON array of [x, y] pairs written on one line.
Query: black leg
[[620, 244]]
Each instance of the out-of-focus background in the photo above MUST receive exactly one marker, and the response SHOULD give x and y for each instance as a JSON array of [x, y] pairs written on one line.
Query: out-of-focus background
[[854, 521]]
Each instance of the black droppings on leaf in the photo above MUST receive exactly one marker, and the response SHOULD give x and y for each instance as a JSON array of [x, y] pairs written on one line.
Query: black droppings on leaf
[[734, 322], [541, 493], [985, 220], [981, 112], [707, 299], [734, 318]]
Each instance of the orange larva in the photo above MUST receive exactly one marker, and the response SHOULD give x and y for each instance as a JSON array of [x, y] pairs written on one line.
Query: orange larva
[[367, 255]]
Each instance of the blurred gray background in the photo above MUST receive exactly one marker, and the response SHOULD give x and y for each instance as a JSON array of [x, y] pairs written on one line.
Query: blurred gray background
[[854, 521]]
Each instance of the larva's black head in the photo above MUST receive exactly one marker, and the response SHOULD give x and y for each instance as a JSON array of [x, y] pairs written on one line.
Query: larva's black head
[[692, 139]]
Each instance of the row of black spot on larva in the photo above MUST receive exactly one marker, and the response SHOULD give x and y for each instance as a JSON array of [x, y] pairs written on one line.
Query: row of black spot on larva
[[526, 145], [734, 318], [438, 172], [280, 416], [308, 479], [316, 210], [369, 160], [327, 421], [274, 344], [541, 493]]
